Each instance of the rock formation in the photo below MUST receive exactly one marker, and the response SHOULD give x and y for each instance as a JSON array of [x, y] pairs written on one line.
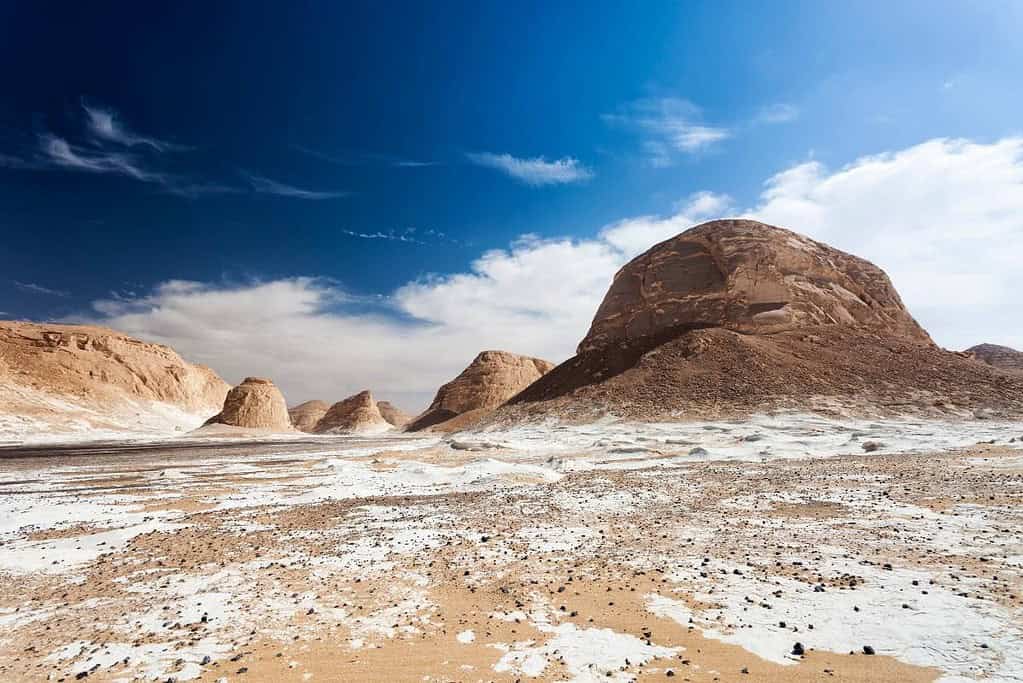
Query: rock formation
[[81, 380], [1001, 357], [256, 403], [394, 415], [304, 416], [490, 380], [355, 414], [735, 316]]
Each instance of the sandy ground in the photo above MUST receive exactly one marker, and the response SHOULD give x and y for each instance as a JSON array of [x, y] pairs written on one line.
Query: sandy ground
[[699, 552]]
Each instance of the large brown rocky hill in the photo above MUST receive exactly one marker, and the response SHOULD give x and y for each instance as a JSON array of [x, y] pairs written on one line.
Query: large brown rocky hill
[[1001, 357], [735, 316], [76, 379], [492, 378]]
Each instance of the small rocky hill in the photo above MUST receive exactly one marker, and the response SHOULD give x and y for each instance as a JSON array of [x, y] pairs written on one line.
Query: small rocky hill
[[492, 378], [255, 404], [304, 416], [1001, 357], [355, 414]]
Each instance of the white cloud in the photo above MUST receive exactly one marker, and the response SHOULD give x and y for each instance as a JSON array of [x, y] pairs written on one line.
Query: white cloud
[[537, 171], [944, 218], [670, 125], [60, 152], [264, 185], [777, 113], [104, 123], [34, 288]]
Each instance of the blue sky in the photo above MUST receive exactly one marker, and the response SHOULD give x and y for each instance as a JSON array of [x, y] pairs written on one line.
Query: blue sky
[[365, 160]]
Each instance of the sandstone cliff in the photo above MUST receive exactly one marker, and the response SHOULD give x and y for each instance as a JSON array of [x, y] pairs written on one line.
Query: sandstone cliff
[[81, 381], [1001, 357], [304, 416]]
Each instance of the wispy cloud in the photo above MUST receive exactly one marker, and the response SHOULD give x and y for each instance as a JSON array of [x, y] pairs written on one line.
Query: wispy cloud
[[407, 235], [104, 124], [60, 152], [33, 288], [780, 112], [536, 171], [365, 159], [264, 185], [669, 126]]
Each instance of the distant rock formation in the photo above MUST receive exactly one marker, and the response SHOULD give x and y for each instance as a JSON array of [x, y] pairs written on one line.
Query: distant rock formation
[[355, 414], [304, 416], [76, 381], [1001, 357], [394, 415], [735, 317], [256, 403], [492, 378]]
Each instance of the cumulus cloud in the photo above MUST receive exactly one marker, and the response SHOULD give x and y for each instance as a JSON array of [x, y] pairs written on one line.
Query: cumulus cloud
[[944, 218], [536, 171], [669, 125]]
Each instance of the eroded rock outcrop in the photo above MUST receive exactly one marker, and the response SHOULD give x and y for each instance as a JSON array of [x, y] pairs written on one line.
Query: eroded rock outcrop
[[256, 403], [304, 416], [492, 378], [355, 414], [747, 277], [1001, 357], [735, 317], [394, 415], [76, 380]]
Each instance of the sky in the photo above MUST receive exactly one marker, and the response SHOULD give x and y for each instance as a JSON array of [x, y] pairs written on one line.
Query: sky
[[343, 196]]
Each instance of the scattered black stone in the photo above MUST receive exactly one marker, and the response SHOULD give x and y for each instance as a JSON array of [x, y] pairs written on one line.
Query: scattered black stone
[[868, 650], [798, 650]]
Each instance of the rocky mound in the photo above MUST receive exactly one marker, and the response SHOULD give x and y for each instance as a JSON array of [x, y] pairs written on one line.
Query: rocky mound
[[489, 381], [394, 415], [1001, 357], [735, 316], [358, 414], [304, 416], [256, 403], [80, 381]]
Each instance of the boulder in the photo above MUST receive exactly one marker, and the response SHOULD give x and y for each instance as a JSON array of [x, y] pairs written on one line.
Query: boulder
[[355, 414], [492, 378], [256, 403]]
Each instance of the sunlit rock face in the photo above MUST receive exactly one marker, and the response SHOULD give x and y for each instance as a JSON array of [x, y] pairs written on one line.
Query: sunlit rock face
[[747, 277], [256, 403]]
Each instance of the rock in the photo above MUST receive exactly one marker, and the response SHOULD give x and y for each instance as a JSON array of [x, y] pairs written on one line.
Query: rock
[[392, 414], [868, 650], [304, 416], [1001, 357], [492, 378], [256, 403], [747, 277], [871, 446], [798, 650], [356, 414], [54, 378]]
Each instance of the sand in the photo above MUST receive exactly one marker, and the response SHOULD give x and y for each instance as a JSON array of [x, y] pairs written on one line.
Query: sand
[[609, 552]]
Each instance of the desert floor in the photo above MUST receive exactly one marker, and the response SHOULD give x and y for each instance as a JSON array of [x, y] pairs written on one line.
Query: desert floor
[[611, 552]]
